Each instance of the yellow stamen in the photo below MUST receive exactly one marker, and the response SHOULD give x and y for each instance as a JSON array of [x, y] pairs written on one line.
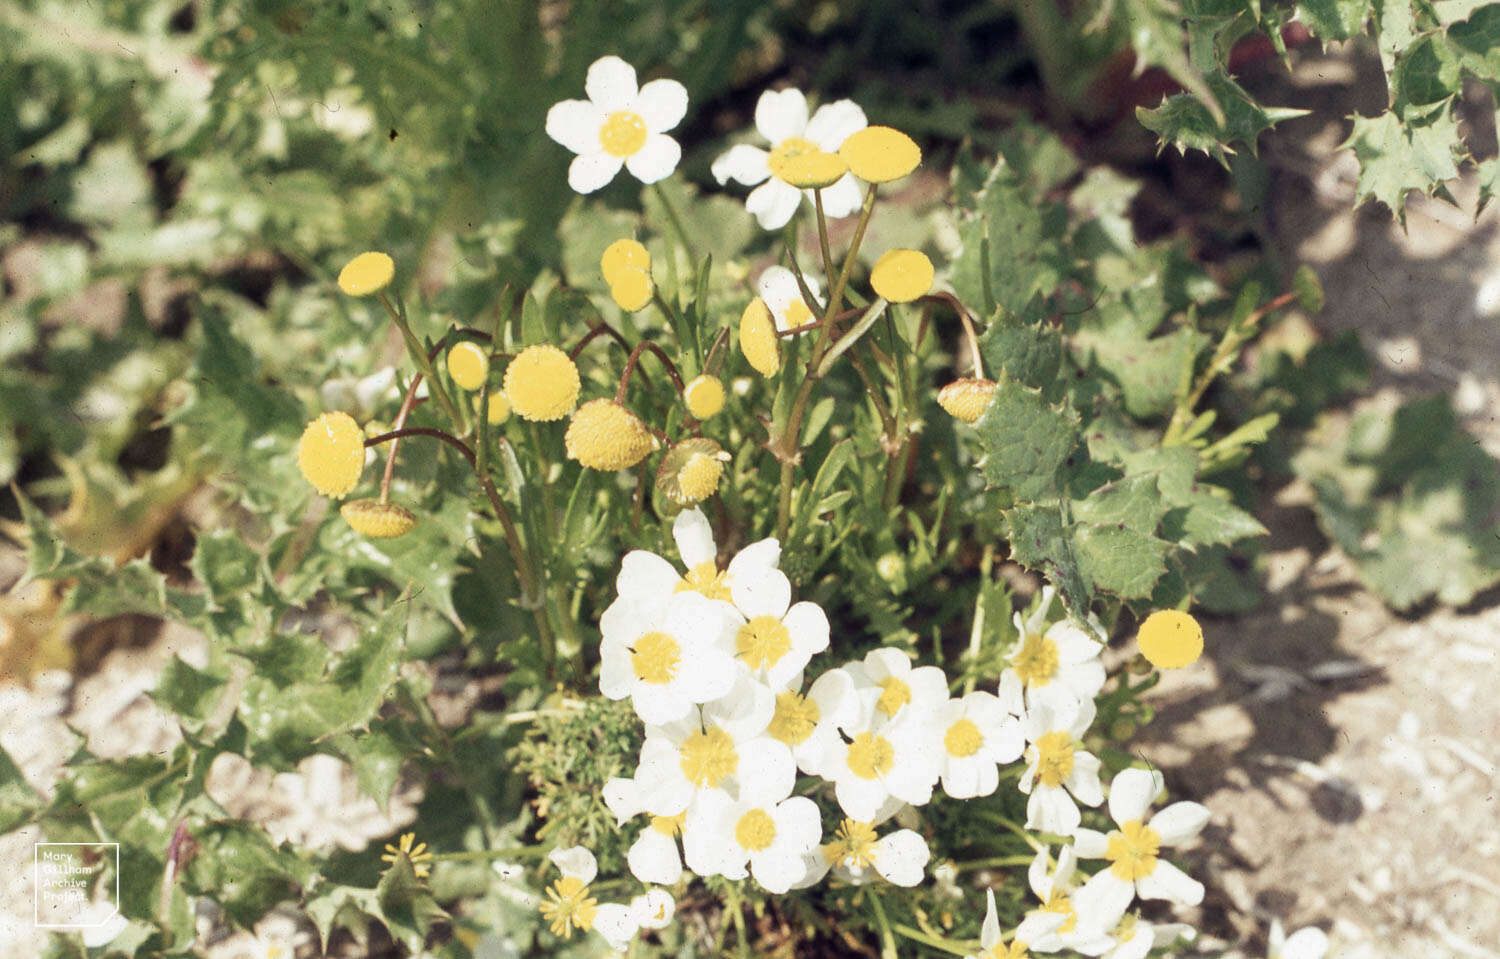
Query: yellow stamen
[[708, 757], [655, 658], [762, 642], [1132, 851], [795, 719], [623, 133], [871, 755]]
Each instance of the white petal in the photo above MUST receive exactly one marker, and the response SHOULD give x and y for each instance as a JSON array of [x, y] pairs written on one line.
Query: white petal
[[1038, 925], [887, 661], [833, 122], [780, 114], [902, 857], [577, 862], [761, 554], [645, 576], [623, 798], [963, 778], [1090, 843], [860, 799], [592, 171], [844, 198], [617, 924], [1131, 793], [834, 693], [1067, 864], [695, 538], [773, 203], [1168, 882], [616, 677], [664, 789], [1102, 900], [768, 594], [654, 909], [1083, 782], [929, 687], [1010, 693], [766, 771], [1083, 680], [799, 827], [662, 104], [1138, 945], [656, 160], [741, 163], [1309, 943], [816, 865], [575, 124], [746, 710], [778, 287], [657, 705], [1004, 743], [1180, 822], [611, 84], [989, 933], [654, 858], [776, 873], [1073, 644], [1051, 809], [808, 625]]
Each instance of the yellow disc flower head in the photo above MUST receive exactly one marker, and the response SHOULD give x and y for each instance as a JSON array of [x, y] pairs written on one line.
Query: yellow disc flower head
[[606, 436], [622, 254], [901, 276], [367, 273], [690, 471], [468, 364], [758, 338], [965, 399], [378, 520], [704, 396], [542, 383], [331, 453], [1170, 639], [631, 288], [499, 408], [813, 170], [880, 154]]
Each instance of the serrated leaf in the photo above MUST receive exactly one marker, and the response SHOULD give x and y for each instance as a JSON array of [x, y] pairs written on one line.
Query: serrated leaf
[[17, 799], [408, 909], [1008, 245], [1395, 158], [1134, 502], [1024, 346], [238, 867], [345, 906], [1119, 560], [188, 692], [1039, 542], [226, 565], [1156, 33], [376, 759], [1184, 122], [1148, 370], [1334, 19], [1025, 440]]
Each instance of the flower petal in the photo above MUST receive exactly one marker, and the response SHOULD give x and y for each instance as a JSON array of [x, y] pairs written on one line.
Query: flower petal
[[761, 554], [989, 933], [577, 862], [843, 199], [662, 104], [695, 538], [615, 675], [623, 798], [575, 124], [656, 160], [741, 163], [654, 858], [766, 772], [902, 857], [773, 203], [808, 625], [1083, 783], [1131, 793], [617, 924], [768, 594], [1090, 843], [592, 171], [1309, 943], [1168, 882], [646, 576], [860, 799], [833, 122], [611, 84], [1180, 822], [1051, 809], [1103, 899], [780, 114]]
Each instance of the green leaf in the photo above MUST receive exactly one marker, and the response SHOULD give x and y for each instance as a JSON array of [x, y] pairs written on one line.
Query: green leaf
[[1025, 440], [236, 865], [1395, 158], [1334, 19], [188, 692], [1133, 502], [1024, 346], [346, 906], [17, 799], [1119, 560], [376, 758], [225, 565], [1009, 244], [1149, 370], [406, 906], [1156, 32], [1039, 542], [1184, 122]]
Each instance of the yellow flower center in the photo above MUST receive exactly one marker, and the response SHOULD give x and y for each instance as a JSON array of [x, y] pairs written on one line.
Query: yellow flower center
[[704, 396], [1170, 639], [762, 642], [894, 693], [854, 844], [623, 133], [706, 578], [1054, 758], [606, 436], [331, 453], [1060, 904], [786, 150], [655, 658], [902, 275], [367, 273], [708, 757], [1015, 949], [963, 739], [812, 171], [669, 825], [569, 906], [468, 364], [871, 755], [1132, 851], [542, 383], [1036, 661], [880, 154], [631, 288], [755, 831], [621, 254], [795, 719], [699, 477], [378, 520], [797, 314]]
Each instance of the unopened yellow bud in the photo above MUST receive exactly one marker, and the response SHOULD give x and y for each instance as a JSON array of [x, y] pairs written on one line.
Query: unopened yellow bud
[[966, 399], [631, 288], [813, 170], [901, 276], [1170, 639], [367, 273], [690, 471], [542, 383], [331, 453], [606, 436], [623, 254], [378, 520], [468, 364], [758, 338], [880, 154], [704, 396], [499, 408]]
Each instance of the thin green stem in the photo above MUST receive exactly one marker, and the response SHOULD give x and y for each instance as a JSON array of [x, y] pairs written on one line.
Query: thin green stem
[[976, 633], [424, 363], [934, 942], [823, 233], [887, 940], [672, 217]]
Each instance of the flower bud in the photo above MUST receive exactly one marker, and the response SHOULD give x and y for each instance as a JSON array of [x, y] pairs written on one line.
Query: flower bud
[[901, 276], [468, 364], [1170, 639], [623, 254], [367, 273], [378, 520], [606, 436], [704, 396], [965, 399], [331, 454], [631, 288], [758, 338], [542, 383], [880, 154], [499, 408], [690, 471]]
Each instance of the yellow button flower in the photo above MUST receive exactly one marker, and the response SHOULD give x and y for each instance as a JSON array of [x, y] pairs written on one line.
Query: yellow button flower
[[331, 453], [621, 254], [758, 338], [378, 520], [468, 364], [542, 383], [1170, 639], [812, 170], [631, 288], [367, 273], [606, 436], [880, 154], [901, 276], [690, 471], [965, 399], [499, 408], [704, 396]]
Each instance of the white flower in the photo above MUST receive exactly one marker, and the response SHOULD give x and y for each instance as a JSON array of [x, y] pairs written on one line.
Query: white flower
[[1085, 934], [991, 946], [101, 923], [654, 856], [647, 580], [682, 761], [619, 125], [857, 855], [654, 908], [569, 905], [781, 119], [1134, 869], [892, 689], [900, 760], [764, 827], [778, 289], [667, 657], [1050, 664], [1309, 943], [977, 735], [1134, 938], [777, 639], [1057, 766], [809, 724]]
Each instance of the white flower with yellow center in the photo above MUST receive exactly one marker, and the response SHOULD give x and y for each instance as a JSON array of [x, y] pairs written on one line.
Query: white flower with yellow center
[[569, 905], [808, 723], [620, 124], [654, 908], [763, 827], [878, 759], [891, 689], [1134, 938], [1054, 887], [648, 580], [778, 289], [1133, 849], [667, 658], [992, 946], [1309, 943], [858, 854], [977, 735], [682, 761], [1058, 770], [1054, 664], [781, 118], [777, 639], [654, 856]]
